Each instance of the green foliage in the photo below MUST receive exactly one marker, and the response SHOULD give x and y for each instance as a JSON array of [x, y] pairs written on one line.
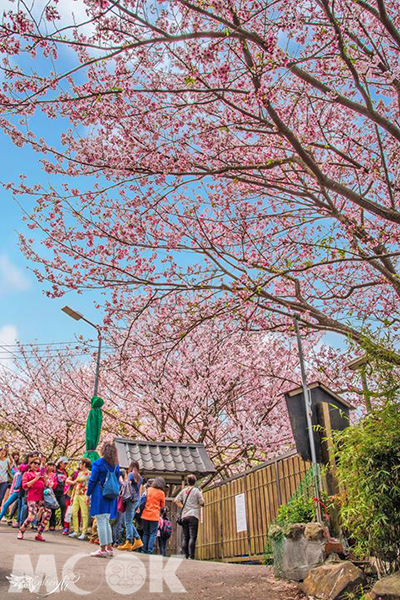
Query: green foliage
[[299, 510], [379, 348], [369, 471], [381, 365]]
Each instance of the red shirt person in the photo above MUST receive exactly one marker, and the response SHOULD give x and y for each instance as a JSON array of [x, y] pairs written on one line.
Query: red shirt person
[[34, 482]]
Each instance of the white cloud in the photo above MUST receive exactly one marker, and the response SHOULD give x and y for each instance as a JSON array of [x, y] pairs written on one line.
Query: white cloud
[[12, 278], [8, 336], [70, 11]]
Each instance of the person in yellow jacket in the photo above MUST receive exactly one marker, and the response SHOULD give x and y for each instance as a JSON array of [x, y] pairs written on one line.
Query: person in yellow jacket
[[79, 485]]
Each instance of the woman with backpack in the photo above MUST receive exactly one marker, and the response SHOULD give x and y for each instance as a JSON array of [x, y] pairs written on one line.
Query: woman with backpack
[[155, 501], [190, 499], [102, 494], [164, 531], [130, 493]]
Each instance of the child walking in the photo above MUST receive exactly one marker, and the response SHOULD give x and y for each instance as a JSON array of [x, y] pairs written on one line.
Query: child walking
[[164, 531]]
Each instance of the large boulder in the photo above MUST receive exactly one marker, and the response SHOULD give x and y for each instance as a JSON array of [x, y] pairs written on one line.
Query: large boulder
[[333, 581], [387, 588], [298, 557]]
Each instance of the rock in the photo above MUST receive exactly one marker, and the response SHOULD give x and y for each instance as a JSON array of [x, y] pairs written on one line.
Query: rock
[[387, 588], [333, 581], [275, 532], [295, 531], [333, 558], [314, 532], [298, 557]]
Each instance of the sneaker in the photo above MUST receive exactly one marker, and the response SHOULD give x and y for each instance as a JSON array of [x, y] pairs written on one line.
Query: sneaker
[[82, 536], [126, 546], [137, 544], [9, 523], [39, 537], [20, 536], [110, 553], [16, 525], [99, 554], [73, 534], [65, 531]]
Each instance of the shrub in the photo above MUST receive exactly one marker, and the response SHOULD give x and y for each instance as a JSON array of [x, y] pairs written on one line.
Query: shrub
[[369, 473], [299, 510]]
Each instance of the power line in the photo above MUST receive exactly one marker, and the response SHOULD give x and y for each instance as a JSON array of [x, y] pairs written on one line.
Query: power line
[[50, 350], [9, 356], [44, 343]]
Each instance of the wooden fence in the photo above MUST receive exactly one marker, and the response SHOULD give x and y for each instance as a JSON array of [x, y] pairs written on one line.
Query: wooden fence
[[264, 488]]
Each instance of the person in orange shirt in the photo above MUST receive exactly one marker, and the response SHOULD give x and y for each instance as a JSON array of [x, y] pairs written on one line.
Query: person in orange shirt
[[155, 501]]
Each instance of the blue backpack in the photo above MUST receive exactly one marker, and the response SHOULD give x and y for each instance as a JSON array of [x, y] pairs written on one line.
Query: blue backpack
[[111, 485]]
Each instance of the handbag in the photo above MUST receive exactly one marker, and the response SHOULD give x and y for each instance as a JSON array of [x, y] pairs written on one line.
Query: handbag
[[121, 504], [179, 520], [128, 493], [68, 514], [49, 499]]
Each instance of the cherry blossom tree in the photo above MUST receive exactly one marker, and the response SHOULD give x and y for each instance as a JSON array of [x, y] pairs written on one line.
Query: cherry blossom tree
[[240, 156], [44, 401], [223, 390], [218, 386]]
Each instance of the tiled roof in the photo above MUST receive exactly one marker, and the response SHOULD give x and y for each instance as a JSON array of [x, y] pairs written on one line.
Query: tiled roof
[[164, 458]]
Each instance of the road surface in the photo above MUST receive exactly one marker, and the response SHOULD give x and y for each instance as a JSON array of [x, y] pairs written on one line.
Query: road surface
[[61, 567]]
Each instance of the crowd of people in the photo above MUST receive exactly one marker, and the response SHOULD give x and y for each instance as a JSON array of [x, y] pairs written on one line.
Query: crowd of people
[[120, 509]]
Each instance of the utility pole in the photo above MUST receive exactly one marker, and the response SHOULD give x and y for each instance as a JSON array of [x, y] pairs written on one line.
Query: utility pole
[[308, 407]]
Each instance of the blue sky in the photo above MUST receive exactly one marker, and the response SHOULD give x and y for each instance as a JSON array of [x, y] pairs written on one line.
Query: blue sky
[[25, 312]]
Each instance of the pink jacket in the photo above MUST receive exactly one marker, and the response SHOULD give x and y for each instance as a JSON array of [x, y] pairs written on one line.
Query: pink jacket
[[52, 477], [34, 493]]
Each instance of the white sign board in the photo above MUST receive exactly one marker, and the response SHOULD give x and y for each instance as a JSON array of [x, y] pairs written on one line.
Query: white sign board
[[241, 521]]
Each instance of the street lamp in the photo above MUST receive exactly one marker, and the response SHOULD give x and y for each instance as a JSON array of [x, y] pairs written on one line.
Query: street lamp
[[78, 317], [360, 365]]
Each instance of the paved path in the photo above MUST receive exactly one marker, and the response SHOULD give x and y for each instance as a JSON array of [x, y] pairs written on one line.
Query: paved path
[[128, 574]]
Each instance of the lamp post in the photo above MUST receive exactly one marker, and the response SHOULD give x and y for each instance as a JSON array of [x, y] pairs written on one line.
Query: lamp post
[[360, 365], [79, 317], [308, 406]]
